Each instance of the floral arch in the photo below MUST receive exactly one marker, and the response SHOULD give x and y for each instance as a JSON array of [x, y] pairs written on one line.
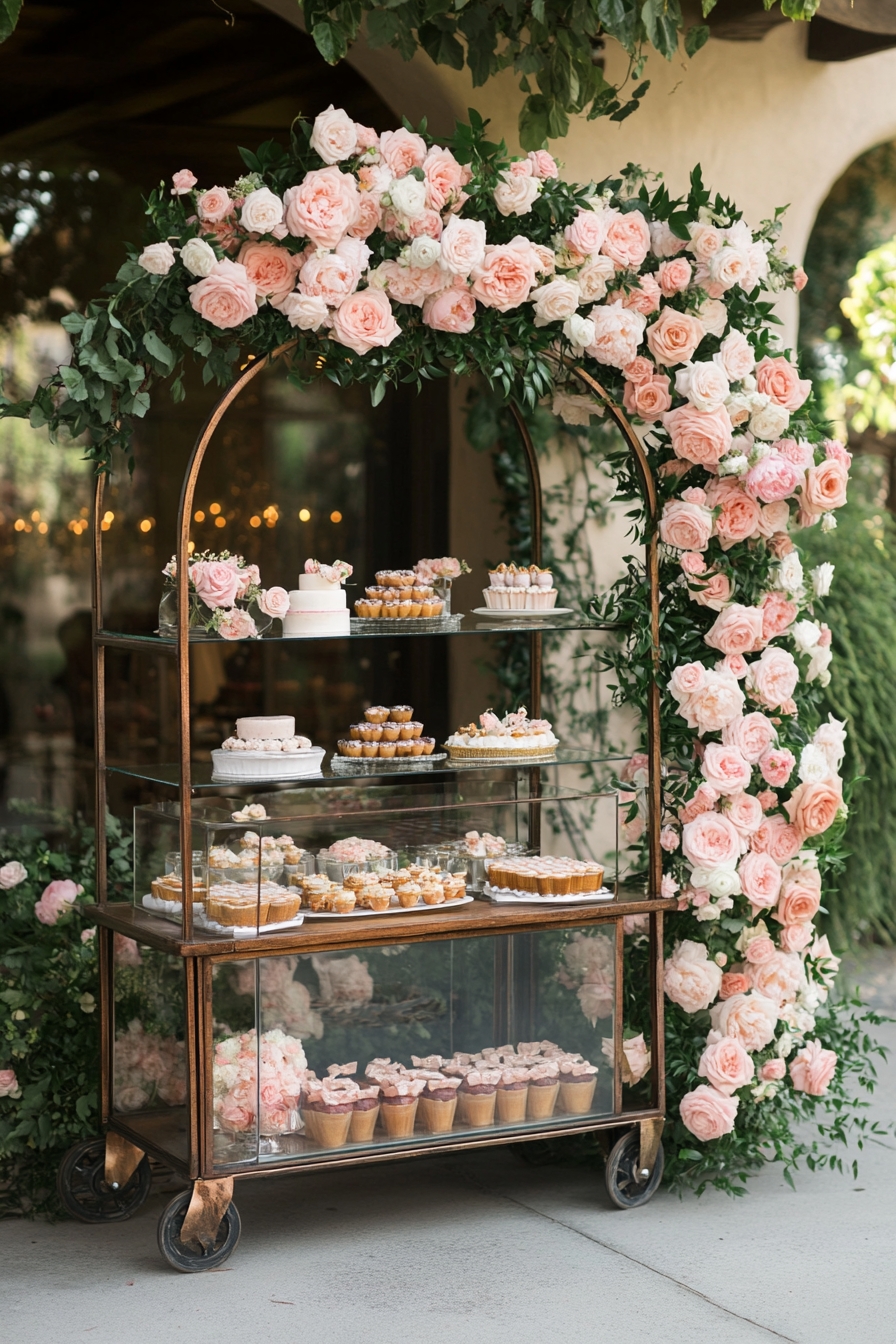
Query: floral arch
[[382, 258]]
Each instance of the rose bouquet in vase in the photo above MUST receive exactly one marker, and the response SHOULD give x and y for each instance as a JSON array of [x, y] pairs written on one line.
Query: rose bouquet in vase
[[225, 599], [440, 574]]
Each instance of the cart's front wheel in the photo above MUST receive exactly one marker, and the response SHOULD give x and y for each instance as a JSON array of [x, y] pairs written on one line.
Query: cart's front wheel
[[85, 1193], [187, 1256], [627, 1185]]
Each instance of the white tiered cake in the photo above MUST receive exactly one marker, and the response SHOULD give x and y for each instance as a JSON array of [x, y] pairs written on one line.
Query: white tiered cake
[[266, 748], [318, 606]]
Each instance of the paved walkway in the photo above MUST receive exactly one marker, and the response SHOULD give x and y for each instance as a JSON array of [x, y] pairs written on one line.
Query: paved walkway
[[485, 1250]]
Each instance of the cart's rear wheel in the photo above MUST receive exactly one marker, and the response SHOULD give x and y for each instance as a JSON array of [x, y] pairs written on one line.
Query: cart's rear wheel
[[626, 1186], [83, 1189], [189, 1257]]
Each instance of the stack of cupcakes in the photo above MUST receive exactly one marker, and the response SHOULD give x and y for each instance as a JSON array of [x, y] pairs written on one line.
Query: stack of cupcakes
[[386, 734], [398, 595]]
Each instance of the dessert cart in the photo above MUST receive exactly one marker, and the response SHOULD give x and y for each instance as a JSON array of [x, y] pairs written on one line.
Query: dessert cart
[[205, 1031]]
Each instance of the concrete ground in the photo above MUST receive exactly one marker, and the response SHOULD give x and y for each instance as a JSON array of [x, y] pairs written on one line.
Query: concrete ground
[[486, 1249]]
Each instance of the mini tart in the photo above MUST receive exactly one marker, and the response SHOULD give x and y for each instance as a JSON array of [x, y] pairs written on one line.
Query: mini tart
[[428, 745], [362, 607], [401, 713], [343, 903], [391, 732], [416, 747], [378, 898], [387, 750], [370, 749], [348, 748], [355, 730], [417, 727], [403, 749], [376, 714], [406, 732]]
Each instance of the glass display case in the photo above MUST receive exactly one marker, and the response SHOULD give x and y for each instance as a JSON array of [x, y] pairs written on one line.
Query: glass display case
[[366, 963]]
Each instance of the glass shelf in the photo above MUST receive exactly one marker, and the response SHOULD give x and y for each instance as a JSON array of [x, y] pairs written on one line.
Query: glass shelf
[[471, 625], [169, 774]]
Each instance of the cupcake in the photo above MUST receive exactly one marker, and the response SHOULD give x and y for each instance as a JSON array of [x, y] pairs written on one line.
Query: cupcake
[[365, 1114], [343, 903], [544, 1084], [512, 1095], [438, 1101], [433, 893], [428, 745], [327, 1108], [406, 732], [403, 749], [391, 732], [477, 1095], [376, 714], [387, 750], [398, 1106], [408, 895], [577, 1083], [401, 713], [378, 898], [369, 750]]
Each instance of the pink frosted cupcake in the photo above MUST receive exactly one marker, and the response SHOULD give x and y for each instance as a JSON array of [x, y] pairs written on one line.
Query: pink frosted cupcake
[[398, 1105], [327, 1106], [544, 1084], [477, 1094], [512, 1095], [578, 1080], [438, 1101], [365, 1114]]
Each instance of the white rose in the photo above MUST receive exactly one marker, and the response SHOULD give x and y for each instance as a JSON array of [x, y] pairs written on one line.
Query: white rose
[[757, 267], [704, 384], [308, 312], [11, 874], [158, 258], [806, 635], [790, 573], [738, 408], [724, 882], [735, 464], [706, 240], [706, 913], [198, 256], [735, 357], [785, 1045], [618, 332], [771, 422], [262, 211], [729, 266], [814, 766], [663, 242], [334, 135], [555, 301], [573, 409], [822, 578], [702, 877], [828, 522], [424, 252], [831, 737], [408, 196], [593, 276], [748, 383], [516, 192], [579, 331], [463, 245], [714, 316], [819, 665]]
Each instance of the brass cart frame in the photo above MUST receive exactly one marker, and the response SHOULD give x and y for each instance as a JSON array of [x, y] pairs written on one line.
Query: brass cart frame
[[121, 1160]]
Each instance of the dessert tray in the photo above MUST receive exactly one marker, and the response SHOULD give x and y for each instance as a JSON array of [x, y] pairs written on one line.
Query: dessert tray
[[511, 896], [201, 920], [420, 908], [522, 613], [233, 765], [470, 754], [360, 765], [418, 625]]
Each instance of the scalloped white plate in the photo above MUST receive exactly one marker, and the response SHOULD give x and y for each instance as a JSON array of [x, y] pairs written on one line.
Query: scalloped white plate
[[252, 765], [504, 896], [543, 614]]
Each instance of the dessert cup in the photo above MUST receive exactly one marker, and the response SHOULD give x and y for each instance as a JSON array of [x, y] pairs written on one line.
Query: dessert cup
[[511, 1103], [398, 1115], [541, 1100], [576, 1098], [331, 1127], [437, 1116], [476, 1108], [364, 1118]]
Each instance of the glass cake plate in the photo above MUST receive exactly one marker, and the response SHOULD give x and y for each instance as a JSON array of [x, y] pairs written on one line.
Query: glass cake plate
[[372, 765], [394, 909], [421, 625]]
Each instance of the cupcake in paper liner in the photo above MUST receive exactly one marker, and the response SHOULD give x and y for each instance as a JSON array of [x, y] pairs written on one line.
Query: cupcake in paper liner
[[365, 1114], [477, 1094], [578, 1080], [438, 1100], [327, 1108], [398, 1104], [544, 1085], [512, 1095]]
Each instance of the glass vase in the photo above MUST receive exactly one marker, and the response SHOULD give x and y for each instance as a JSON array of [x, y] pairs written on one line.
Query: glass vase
[[442, 588], [200, 615]]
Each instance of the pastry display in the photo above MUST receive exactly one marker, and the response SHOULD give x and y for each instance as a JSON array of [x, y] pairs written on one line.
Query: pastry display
[[545, 876], [520, 589], [399, 595], [386, 734], [266, 748], [171, 888], [319, 606], [483, 846], [515, 736], [379, 892]]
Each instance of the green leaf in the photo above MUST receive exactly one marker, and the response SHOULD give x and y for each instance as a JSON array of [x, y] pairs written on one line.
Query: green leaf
[[72, 322], [708, 6], [330, 42], [74, 382], [441, 45], [156, 347], [662, 19], [690, 1155], [534, 122], [382, 27], [695, 39], [9, 17]]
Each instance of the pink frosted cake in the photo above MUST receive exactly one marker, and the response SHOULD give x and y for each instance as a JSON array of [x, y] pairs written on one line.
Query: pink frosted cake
[[513, 589]]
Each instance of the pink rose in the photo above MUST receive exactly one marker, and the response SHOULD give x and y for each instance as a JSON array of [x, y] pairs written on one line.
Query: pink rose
[[640, 370], [452, 310], [735, 357], [779, 978], [779, 379], [702, 437], [778, 614], [370, 217], [800, 453], [776, 838], [716, 703], [704, 800], [825, 487], [443, 177], [617, 334], [708, 1113], [334, 136], [125, 951], [217, 584], [410, 284], [796, 937], [800, 898], [627, 240], [506, 275], [669, 839], [693, 564], [274, 602], [332, 276], [773, 478], [726, 1065], [691, 980], [271, 269], [226, 296], [738, 519], [182, 182], [687, 527], [733, 983], [8, 1082], [813, 1068], [752, 734], [833, 448], [674, 337], [772, 679], [744, 812], [813, 808], [734, 663], [366, 137], [543, 164], [323, 207], [736, 629], [759, 950], [648, 400], [365, 320], [11, 874], [588, 230], [710, 841], [645, 297], [214, 206], [686, 679], [748, 1018], [56, 900], [463, 245], [760, 879], [776, 766], [402, 150], [773, 1070], [724, 769], [237, 624], [714, 591], [800, 278], [674, 276]]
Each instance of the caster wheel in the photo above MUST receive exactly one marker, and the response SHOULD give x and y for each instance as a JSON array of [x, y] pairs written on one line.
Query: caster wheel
[[189, 1257], [83, 1191], [622, 1173]]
